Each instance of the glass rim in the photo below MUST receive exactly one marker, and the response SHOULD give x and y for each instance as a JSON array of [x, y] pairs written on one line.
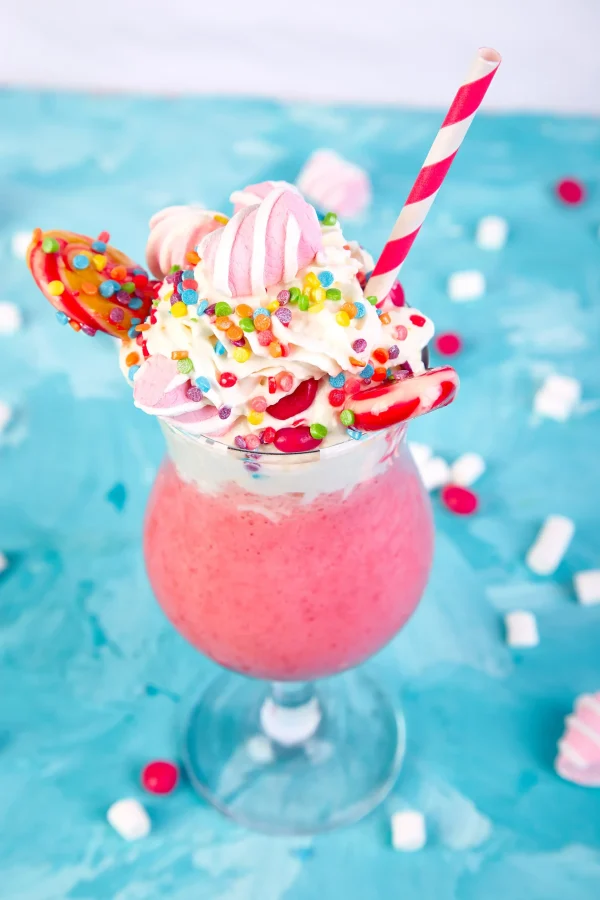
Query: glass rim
[[344, 446]]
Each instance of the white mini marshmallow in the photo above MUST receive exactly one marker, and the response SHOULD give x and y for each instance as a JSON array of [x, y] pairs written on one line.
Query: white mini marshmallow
[[129, 818], [521, 629], [464, 286], [408, 830], [5, 415], [421, 453], [19, 243], [587, 587], [492, 232], [3, 562], [10, 318], [467, 469], [435, 473], [549, 547], [557, 397]]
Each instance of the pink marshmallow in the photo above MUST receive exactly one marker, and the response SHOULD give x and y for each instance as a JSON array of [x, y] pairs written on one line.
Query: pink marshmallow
[[579, 748], [335, 185], [174, 232], [263, 245]]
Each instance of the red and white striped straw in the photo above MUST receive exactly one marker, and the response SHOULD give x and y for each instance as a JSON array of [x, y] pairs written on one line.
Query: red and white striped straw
[[434, 170]]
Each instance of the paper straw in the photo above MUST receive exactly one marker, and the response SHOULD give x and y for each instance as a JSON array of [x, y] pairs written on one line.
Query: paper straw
[[435, 168]]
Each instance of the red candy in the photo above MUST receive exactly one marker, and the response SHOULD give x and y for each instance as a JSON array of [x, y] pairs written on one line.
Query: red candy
[[272, 385], [448, 344], [571, 191], [295, 440], [160, 777], [395, 402], [352, 385], [459, 500], [285, 381], [265, 338], [417, 320], [337, 397], [296, 402], [267, 436], [227, 379]]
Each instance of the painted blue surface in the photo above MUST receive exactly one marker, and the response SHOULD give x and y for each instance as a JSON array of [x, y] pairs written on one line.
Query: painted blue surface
[[91, 674]]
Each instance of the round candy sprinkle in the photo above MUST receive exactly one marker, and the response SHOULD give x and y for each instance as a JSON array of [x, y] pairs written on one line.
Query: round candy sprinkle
[[240, 343], [360, 310], [258, 404], [262, 322], [123, 298], [326, 278], [337, 397], [132, 333], [349, 308], [188, 275], [189, 284], [88, 288], [284, 315], [275, 349], [254, 417], [252, 442], [179, 309], [189, 296], [347, 417], [273, 306], [244, 311], [223, 323], [116, 314], [311, 280], [448, 344], [240, 354], [319, 295], [303, 302], [372, 300], [267, 436], [359, 345], [329, 218], [132, 371], [333, 294], [261, 311], [401, 332], [80, 261], [223, 309], [265, 338], [393, 352], [294, 294], [318, 431], [459, 500], [50, 245], [202, 307], [571, 191], [135, 303], [381, 355], [56, 288], [194, 394], [284, 297], [417, 320], [246, 324], [337, 381], [316, 308], [240, 442], [342, 318], [379, 312], [87, 330], [185, 366], [99, 246], [210, 310], [353, 385], [203, 383], [224, 412], [99, 261], [380, 374], [227, 379], [356, 362], [129, 287], [367, 372], [62, 318], [107, 288], [285, 381], [235, 334], [221, 351], [354, 433]]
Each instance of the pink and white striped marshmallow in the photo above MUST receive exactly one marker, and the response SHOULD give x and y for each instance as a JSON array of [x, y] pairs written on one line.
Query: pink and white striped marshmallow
[[159, 389], [335, 185], [262, 245], [175, 231], [254, 193], [578, 757]]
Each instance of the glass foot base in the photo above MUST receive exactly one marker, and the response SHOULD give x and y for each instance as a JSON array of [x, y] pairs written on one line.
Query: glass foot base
[[323, 762]]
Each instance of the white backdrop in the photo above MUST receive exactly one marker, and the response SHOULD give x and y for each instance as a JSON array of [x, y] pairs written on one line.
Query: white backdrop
[[399, 51]]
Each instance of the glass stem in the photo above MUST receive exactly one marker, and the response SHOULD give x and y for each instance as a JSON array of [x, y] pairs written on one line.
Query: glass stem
[[291, 714]]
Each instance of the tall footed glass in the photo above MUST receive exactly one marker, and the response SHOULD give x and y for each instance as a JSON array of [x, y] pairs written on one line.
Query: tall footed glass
[[286, 569]]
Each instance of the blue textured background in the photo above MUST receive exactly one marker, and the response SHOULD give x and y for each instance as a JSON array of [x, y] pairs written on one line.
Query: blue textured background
[[90, 673]]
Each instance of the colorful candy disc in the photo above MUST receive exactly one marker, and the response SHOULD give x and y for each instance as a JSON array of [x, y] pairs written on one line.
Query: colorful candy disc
[[390, 404], [94, 285]]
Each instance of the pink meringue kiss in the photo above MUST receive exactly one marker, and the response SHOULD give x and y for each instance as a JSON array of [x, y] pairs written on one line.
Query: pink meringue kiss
[[578, 757], [174, 232], [254, 193], [262, 245], [334, 184]]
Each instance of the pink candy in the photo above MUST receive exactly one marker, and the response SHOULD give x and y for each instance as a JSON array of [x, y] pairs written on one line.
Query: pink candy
[[174, 232], [334, 184], [160, 390], [262, 245], [579, 748]]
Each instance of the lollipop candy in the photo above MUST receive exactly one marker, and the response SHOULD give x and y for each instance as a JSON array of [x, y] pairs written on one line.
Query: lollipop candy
[[262, 245], [175, 232], [92, 286], [415, 395]]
